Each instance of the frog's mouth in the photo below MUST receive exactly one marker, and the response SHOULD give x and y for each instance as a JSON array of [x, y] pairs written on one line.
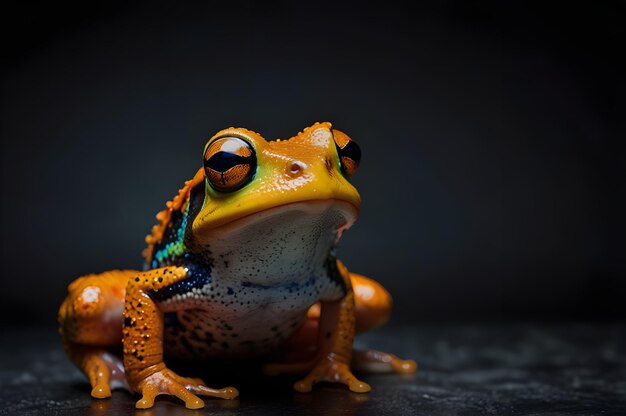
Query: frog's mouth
[[333, 214]]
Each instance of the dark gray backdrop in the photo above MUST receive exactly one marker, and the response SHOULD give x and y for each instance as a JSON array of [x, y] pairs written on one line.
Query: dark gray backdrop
[[492, 180]]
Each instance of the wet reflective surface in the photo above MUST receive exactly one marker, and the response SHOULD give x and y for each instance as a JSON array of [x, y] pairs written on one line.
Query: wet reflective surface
[[464, 370]]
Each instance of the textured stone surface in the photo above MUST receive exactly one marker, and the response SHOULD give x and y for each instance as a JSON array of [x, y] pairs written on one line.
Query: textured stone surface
[[464, 370]]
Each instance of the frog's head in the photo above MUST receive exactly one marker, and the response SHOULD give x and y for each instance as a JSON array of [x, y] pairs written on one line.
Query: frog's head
[[254, 185]]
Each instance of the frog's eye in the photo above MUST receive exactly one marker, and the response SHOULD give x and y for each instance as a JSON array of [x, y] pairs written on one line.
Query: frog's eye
[[229, 163], [349, 153]]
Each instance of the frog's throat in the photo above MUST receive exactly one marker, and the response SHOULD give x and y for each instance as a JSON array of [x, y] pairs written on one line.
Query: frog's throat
[[285, 243]]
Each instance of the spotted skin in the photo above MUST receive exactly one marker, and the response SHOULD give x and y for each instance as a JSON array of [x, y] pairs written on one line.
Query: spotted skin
[[241, 263], [332, 361], [143, 321]]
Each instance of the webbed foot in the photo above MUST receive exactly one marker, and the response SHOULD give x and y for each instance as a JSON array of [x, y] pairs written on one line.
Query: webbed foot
[[328, 368], [165, 381]]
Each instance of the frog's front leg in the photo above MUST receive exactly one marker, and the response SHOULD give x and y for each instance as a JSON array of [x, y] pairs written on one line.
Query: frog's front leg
[[337, 329], [336, 333], [146, 372]]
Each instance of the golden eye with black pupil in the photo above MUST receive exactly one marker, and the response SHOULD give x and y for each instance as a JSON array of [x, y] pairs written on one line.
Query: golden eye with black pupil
[[229, 163], [349, 153]]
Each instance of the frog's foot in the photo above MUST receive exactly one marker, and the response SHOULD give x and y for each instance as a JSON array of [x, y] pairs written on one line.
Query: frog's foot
[[328, 368], [165, 381], [373, 361], [105, 371]]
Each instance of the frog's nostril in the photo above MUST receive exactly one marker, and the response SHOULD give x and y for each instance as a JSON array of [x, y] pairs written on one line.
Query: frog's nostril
[[295, 169]]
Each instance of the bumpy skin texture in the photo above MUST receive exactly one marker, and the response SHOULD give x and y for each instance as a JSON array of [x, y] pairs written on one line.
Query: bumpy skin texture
[[241, 263]]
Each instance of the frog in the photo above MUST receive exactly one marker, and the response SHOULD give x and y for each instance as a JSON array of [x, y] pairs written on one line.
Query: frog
[[241, 263]]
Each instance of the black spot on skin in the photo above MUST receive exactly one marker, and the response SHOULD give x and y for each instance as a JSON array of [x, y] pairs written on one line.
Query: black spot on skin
[[140, 357], [230, 291], [128, 321]]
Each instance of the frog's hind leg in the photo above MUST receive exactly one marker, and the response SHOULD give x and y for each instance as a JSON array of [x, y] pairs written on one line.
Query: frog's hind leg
[[373, 308], [90, 321]]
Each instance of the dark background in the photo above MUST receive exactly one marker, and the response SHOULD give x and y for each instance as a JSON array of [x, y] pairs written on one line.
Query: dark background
[[492, 178]]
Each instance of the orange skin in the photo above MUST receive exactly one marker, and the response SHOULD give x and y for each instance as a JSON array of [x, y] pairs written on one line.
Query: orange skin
[[115, 308]]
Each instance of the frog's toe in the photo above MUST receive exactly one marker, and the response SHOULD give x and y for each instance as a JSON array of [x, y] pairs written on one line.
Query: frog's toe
[[148, 392], [197, 386], [101, 391], [99, 377], [403, 366], [225, 393], [303, 386], [359, 386], [372, 361]]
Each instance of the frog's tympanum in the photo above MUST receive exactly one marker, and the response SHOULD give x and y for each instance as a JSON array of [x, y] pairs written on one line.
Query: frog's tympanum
[[241, 263]]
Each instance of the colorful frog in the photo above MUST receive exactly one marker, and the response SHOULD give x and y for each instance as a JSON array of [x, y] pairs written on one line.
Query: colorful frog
[[242, 263]]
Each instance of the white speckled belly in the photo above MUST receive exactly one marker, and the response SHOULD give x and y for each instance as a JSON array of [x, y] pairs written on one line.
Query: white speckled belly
[[265, 275], [250, 321]]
